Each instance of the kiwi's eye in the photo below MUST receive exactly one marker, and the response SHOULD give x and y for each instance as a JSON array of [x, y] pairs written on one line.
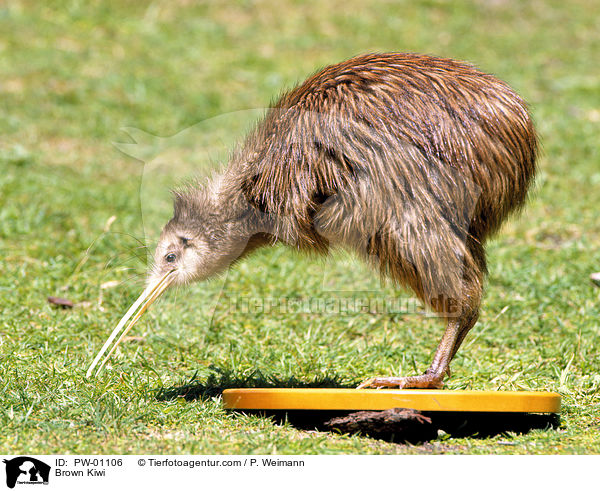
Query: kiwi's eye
[[170, 258]]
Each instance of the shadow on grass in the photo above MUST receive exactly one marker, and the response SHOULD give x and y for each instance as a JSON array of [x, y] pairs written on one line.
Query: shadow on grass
[[396, 425], [221, 379]]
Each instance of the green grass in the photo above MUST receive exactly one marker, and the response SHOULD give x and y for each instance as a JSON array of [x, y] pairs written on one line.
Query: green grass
[[72, 76]]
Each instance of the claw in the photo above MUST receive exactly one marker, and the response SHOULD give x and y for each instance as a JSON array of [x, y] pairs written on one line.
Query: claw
[[427, 381], [366, 383]]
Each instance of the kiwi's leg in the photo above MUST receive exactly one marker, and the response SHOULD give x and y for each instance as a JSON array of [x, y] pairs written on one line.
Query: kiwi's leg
[[433, 377], [456, 330]]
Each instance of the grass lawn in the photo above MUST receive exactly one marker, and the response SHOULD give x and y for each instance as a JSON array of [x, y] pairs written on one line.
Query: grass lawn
[[74, 75]]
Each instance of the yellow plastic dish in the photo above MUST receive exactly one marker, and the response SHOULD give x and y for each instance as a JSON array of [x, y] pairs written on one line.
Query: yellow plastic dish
[[381, 399]]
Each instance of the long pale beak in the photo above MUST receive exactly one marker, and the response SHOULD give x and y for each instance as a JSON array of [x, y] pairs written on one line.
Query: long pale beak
[[147, 298]]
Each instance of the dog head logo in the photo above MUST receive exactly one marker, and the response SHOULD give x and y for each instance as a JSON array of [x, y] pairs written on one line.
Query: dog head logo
[[26, 470]]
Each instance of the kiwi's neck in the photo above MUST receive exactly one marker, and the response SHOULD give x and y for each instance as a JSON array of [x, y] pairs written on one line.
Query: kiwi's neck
[[246, 223]]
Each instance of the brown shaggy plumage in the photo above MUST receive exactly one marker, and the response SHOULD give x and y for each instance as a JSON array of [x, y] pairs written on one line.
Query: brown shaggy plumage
[[412, 161]]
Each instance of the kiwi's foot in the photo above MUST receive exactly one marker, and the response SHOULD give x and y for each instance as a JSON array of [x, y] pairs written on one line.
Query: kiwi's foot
[[425, 381]]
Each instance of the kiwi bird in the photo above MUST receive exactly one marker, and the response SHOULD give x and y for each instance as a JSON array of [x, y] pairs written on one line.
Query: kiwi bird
[[410, 161]]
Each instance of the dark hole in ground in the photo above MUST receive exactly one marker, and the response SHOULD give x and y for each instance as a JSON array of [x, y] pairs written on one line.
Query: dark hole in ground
[[410, 426]]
